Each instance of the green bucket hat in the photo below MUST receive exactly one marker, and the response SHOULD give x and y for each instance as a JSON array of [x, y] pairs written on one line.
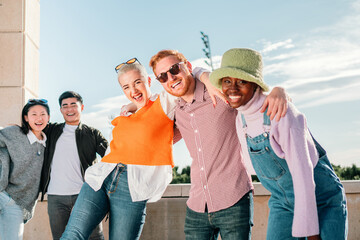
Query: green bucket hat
[[242, 63]]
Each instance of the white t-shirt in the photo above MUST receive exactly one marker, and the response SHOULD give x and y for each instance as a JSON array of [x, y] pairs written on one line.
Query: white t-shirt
[[65, 176]]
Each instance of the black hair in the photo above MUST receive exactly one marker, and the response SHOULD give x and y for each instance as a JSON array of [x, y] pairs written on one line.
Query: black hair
[[70, 94], [25, 127]]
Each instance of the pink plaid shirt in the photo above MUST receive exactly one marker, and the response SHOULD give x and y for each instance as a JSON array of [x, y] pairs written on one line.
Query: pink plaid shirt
[[218, 175]]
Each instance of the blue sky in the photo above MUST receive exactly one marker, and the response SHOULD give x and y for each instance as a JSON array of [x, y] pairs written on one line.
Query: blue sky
[[312, 48]]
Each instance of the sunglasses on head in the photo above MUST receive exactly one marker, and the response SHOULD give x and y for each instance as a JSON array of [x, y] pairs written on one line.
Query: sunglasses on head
[[130, 61], [35, 100], [173, 70]]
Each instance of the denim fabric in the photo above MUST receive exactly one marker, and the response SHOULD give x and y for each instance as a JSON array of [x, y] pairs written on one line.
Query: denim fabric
[[11, 218], [274, 174], [59, 210], [126, 218], [233, 223]]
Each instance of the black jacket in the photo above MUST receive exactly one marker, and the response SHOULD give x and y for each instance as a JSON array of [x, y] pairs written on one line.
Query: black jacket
[[89, 141]]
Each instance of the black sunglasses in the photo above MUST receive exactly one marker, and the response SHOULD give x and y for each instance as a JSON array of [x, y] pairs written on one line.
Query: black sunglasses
[[35, 100], [173, 70], [131, 61]]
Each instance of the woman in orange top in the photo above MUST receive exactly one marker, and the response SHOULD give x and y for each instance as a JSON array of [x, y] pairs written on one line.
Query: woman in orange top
[[137, 166]]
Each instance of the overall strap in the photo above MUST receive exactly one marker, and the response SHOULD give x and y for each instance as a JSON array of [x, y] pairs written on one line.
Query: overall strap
[[319, 148], [267, 121], [243, 121]]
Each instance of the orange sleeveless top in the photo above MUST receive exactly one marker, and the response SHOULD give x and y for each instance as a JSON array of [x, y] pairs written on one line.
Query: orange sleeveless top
[[143, 138]]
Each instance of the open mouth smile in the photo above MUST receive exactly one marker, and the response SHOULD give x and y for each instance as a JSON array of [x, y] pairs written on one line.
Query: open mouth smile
[[137, 97], [175, 84], [234, 97]]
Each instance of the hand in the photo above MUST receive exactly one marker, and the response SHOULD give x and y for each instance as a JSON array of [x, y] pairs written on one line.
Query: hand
[[213, 91], [277, 103], [127, 109], [315, 237]]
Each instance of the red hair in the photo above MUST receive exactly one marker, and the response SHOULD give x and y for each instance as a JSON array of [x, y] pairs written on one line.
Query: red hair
[[166, 53]]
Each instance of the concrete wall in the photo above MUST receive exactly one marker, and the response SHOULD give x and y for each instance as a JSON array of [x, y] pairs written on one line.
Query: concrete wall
[[165, 218], [19, 56]]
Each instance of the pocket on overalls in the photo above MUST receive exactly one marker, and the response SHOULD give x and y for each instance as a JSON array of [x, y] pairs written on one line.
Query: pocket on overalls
[[268, 165]]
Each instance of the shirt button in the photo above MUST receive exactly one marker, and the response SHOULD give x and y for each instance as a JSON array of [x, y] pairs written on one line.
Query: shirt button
[[196, 131], [204, 187], [202, 169], [199, 149], [192, 114], [265, 134], [266, 148]]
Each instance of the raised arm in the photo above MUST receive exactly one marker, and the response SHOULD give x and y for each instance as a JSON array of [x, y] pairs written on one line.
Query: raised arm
[[277, 103], [203, 75]]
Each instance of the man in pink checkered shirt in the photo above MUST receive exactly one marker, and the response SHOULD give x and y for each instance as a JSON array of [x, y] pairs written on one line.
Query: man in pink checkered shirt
[[220, 199]]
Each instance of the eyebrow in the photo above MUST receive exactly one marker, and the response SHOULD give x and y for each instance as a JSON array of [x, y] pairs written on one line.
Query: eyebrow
[[126, 85], [65, 104]]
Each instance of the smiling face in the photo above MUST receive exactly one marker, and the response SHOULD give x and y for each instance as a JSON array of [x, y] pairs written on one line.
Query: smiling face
[[71, 110], [180, 85], [238, 92], [136, 87], [38, 118]]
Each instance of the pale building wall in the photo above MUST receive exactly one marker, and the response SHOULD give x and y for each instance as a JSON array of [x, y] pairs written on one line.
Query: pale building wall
[[165, 218], [19, 56]]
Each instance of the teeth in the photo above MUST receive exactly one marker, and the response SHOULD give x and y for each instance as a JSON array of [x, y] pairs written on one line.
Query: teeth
[[137, 96], [72, 114], [234, 97], [174, 85]]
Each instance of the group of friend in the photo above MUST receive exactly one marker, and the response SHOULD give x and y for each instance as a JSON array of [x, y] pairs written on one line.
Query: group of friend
[[228, 125]]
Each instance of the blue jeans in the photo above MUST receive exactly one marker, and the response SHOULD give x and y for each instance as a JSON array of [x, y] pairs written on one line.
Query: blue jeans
[[11, 218], [59, 210], [233, 223], [126, 218]]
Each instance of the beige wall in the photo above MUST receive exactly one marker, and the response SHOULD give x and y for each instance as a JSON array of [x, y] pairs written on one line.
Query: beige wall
[[165, 218], [19, 56]]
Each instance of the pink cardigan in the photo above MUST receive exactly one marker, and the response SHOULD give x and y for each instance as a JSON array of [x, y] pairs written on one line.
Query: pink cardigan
[[291, 140]]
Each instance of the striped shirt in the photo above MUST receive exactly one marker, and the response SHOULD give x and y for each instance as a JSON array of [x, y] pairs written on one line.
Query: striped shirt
[[218, 175]]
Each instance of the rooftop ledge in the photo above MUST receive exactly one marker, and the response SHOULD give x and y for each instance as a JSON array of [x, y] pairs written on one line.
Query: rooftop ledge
[[182, 190]]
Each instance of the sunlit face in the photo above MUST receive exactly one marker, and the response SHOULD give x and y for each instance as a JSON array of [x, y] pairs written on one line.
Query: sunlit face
[[38, 118], [135, 87], [180, 85], [71, 110], [238, 92]]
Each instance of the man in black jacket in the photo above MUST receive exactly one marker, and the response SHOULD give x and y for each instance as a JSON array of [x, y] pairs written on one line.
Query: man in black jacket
[[71, 148]]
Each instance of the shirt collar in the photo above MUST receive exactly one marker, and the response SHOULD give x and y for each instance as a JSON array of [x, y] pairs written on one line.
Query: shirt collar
[[199, 93], [32, 138]]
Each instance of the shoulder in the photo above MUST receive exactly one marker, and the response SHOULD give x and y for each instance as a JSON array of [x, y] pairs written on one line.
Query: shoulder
[[13, 135], [86, 129], [11, 130], [292, 119], [54, 126]]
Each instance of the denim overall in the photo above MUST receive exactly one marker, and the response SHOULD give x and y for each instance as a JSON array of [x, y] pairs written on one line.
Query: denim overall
[[274, 174]]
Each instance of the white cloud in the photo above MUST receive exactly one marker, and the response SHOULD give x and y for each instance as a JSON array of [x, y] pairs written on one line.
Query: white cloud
[[102, 113], [321, 68], [346, 157], [269, 46]]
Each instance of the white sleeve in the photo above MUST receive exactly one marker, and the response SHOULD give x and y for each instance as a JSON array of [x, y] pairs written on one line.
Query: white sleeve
[[198, 71], [168, 103]]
